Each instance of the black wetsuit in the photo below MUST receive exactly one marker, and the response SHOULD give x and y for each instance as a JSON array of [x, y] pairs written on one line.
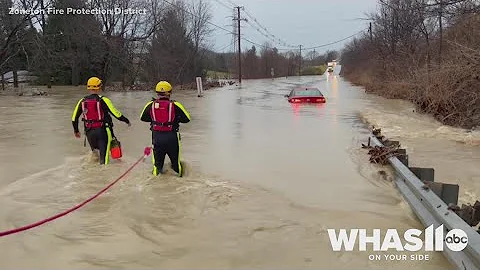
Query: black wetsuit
[[99, 138], [167, 142]]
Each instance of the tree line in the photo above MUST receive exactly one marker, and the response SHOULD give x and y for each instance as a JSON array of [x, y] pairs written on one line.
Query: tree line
[[166, 43], [425, 51], [170, 42], [258, 61]]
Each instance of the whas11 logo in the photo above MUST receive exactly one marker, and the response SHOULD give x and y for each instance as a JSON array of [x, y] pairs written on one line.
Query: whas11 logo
[[433, 240]]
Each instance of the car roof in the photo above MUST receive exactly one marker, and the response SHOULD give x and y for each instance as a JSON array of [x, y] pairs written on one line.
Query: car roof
[[305, 88]]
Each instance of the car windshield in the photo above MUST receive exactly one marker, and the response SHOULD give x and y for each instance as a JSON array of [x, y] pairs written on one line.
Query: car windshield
[[304, 93]]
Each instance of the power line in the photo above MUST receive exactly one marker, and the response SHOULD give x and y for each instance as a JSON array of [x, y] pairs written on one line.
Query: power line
[[224, 47], [273, 38], [255, 43], [259, 31], [266, 32], [282, 42], [309, 48], [268, 35], [232, 3], [263, 46], [223, 4], [289, 47], [334, 42], [213, 24]]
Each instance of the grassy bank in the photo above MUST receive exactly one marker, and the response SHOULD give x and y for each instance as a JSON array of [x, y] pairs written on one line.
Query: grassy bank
[[314, 70], [218, 75], [307, 70], [438, 70]]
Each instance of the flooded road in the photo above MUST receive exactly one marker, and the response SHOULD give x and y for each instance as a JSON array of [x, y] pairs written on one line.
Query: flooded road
[[264, 181]]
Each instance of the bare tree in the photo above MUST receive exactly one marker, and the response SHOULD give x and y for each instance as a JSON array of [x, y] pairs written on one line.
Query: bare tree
[[398, 61], [14, 35], [199, 28], [125, 35]]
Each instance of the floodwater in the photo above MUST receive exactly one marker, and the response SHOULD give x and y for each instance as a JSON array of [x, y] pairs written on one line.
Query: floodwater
[[265, 180]]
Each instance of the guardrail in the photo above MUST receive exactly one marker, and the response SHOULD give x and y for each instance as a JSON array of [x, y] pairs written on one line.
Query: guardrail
[[429, 202]]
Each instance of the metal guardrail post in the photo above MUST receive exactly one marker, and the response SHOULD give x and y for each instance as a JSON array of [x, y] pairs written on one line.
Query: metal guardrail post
[[424, 174], [447, 192], [432, 210]]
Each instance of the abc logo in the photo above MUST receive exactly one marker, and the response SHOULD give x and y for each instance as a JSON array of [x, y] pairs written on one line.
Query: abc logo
[[456, 240]]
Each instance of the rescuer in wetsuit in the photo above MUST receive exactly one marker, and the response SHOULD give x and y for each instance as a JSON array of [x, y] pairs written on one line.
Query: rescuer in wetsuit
[[165, 116], [98, 124]]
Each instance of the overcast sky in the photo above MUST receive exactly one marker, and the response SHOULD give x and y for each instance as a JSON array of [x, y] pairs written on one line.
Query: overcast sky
[[297, 22]]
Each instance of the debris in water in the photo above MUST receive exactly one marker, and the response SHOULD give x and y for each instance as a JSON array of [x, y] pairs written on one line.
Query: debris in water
[[383, 174], [377, 133], [470, 214], [381, 154], [32, 92]]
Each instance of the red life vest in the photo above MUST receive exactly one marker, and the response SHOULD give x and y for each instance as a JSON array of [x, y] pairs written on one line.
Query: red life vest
[[163, 114], [93, 115]]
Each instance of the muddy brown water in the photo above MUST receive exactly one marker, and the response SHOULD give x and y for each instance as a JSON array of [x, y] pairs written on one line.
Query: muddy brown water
[[265, 180]]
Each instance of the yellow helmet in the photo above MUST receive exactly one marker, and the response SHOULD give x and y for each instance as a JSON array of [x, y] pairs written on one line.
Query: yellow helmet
[[94, 84], [163, 87]]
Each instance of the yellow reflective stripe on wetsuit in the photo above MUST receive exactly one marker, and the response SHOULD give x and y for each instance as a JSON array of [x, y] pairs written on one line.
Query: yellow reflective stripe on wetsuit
[[145, 107], [155, 169], [75, 111], [109, 144], [117, 114], [180, 168], [112, 108], [179, 105]]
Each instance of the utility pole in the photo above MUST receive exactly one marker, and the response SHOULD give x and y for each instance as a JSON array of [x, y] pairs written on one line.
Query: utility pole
[[300, 65], [440, 21], [238, 19], [42, 6], [370, 31]]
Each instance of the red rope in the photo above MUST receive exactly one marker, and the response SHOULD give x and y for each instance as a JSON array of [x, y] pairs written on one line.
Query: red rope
[[41, 222]]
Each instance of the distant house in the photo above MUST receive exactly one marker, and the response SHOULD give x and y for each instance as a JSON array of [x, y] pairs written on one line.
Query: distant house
[[24, 76]]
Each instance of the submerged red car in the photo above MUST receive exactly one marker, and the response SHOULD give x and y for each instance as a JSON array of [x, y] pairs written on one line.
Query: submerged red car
[[305, 95]]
